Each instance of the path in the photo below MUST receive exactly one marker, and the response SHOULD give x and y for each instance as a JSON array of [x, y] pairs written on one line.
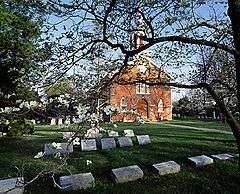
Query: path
[[195, 128]]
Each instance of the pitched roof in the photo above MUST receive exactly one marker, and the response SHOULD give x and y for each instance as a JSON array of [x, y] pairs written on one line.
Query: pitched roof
[[142, 68]]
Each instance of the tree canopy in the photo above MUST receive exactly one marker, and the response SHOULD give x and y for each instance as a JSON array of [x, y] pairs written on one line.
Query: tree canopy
[[19, 44]]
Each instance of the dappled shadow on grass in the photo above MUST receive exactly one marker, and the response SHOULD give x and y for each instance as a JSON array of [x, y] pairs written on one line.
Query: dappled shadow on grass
[[167, 144]]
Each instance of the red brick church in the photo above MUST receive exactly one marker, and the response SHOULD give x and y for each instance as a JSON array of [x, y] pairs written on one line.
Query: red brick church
[[130, 90], [129, 93]]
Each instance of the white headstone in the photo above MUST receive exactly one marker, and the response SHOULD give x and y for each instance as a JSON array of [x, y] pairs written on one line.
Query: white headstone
[[33, 121], [214, 115], [125, 141], [67, 121], [12, 186], [167, 167], [108, 143], [63, 148], [60, 121], [68, 135], [112, 133], [222, 156], [77, 182], [143, 139], [129, 133], [200, 160], [53, 121], [88, 144], [126, 174], [93, 133]]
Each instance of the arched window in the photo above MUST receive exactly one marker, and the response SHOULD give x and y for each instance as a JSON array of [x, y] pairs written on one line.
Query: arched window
[[160, 106], [142, 88], [124, 103]]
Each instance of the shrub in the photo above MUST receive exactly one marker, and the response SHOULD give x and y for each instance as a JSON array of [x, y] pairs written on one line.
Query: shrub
[[20, 127]]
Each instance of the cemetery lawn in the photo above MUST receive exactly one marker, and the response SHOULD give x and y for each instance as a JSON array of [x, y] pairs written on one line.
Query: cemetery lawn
[[201, 123], [168, 143]]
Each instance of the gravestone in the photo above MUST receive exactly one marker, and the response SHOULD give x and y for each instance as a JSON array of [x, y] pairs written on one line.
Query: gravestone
[[68, 135], [200, 160], [53, 121], [33, 121], [125, 142], [88, 144], [167, 167], [60, 121], [77, 182], [126, 174], [67, 121], [63, 148], [93, 133], [237, 155], [143, 139], [222, 156], [108, 143], [112, 133], [13, 185], [129, 133]]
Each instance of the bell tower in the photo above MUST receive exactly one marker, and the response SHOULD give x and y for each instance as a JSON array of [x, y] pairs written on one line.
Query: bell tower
[[137, 29]]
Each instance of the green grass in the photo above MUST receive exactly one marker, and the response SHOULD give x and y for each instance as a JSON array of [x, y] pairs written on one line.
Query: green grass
[[201, 123], [167, 144]]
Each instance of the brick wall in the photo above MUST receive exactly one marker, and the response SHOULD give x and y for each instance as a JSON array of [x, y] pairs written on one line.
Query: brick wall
[[147, 104]]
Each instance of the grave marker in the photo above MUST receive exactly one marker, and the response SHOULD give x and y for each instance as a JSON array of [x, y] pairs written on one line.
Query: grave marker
[[125, 142], [129, 133], [222, 156], [143, 139], [88, 144], [33, 121], [167, 167], [68, 135], [60, 121], [53, 121], [108, 143], [13, 185], [200, 160], [126, 174], [112, 133], [63, 148], [77, 182]]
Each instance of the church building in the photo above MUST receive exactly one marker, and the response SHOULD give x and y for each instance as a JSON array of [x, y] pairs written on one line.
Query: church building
[[132, 91]]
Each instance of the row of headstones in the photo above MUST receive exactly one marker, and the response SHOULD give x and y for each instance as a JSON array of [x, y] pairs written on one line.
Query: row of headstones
[[91, 144], [54, 121], [119, 175], [111, 133]]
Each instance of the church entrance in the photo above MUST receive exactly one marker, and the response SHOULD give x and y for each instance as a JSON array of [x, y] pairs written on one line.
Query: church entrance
[[142, 108]]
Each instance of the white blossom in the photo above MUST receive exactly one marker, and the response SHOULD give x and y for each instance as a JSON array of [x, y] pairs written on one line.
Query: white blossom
[[56, 145], [89, 162], [76, 141], [39, 155]]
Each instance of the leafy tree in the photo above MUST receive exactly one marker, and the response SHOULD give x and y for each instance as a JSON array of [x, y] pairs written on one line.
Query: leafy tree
[[19, 47], [178, 28]]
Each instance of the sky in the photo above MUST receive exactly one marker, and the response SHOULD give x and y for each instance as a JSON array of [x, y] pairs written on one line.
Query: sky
[[203, 12]]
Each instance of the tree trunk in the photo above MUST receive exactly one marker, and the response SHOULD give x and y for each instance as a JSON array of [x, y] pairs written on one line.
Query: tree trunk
[[234, 14], [229, 117]]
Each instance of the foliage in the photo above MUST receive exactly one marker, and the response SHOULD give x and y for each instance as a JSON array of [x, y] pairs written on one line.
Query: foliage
[[20, 127], [19, 45], [62, 87], [182, 107]]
